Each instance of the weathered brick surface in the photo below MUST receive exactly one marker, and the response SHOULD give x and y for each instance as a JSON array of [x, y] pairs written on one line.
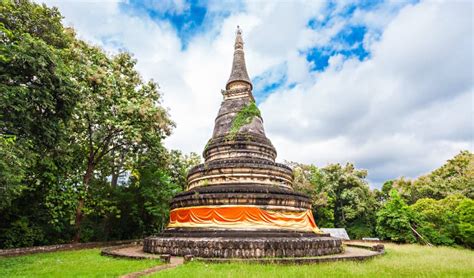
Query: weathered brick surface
[[250, 194], [350, 254], [243, 247]]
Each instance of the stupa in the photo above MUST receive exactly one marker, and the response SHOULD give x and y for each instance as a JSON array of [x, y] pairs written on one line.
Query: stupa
[[240, 203]]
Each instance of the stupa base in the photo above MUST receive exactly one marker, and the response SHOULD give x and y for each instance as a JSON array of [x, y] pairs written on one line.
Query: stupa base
[[238, 244]]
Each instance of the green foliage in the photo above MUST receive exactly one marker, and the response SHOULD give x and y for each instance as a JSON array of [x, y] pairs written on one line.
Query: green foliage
[[310, 180], [340, 196], [179, 165], [438, 219], [74, 124], [243, 117], [454, 177], [22, 233], [394, 220], [465, 212], [435, 199], [14, 158], [38, 93], [118, 120], [37, 88], [360, 228]]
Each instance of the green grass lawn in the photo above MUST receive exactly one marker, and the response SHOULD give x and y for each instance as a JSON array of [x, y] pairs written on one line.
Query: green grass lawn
[[81, 263], [399, 261]]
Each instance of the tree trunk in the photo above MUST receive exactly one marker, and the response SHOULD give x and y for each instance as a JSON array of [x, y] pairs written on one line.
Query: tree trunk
[[114, 171], [115, 177], [420, 236], [80, 204]]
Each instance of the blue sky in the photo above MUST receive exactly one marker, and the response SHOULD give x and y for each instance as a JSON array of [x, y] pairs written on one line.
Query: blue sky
[[387, 85], [187, 21], [192, 18]]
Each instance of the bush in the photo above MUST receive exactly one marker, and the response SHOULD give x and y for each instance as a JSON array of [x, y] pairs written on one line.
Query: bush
[[441, 221], [465, 212], [22, 234], [394, 220]]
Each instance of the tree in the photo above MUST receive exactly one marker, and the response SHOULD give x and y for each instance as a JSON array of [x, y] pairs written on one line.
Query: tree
[[341, 197], [454, 177], [119, 115], [83, 115], [437, 219], [394, 220], [37, 85], [37, 96], [465, 212], [179, 165], [143, 202], [435, 202], [12, 170]]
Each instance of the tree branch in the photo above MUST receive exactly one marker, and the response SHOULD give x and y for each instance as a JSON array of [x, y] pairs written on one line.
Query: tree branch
[[102, 154]]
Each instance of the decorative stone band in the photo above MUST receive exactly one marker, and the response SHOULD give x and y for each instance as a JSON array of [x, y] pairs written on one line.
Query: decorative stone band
[[243, 145], [240, 171], [242, 217], [243, 91], [240, 149], [263, 196], [235, 177]]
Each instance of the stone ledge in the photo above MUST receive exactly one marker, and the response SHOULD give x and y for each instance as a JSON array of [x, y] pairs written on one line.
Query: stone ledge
[[270, 202], [375, 247], [245, 163], [260, 195], [349, 254], [243, 188], [241, 141], [63, 247], [129, 251], [226, 233]]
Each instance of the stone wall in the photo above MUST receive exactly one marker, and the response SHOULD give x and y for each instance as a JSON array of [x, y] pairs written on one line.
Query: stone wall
[[243, 247], [63, 247]]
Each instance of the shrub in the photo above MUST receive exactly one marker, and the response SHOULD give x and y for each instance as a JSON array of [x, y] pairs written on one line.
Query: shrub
[[394, 220], [465, 212]]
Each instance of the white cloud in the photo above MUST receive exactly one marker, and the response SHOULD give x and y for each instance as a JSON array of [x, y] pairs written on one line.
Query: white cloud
[[403, 111]]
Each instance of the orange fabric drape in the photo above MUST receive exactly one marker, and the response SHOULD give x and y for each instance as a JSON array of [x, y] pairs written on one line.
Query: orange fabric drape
[[242, 217]]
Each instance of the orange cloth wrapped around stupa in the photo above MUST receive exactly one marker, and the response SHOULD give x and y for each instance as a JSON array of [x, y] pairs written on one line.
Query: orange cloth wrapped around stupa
[[244, 217]]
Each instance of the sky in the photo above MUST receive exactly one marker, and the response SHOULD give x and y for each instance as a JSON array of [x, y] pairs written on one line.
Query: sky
[[386, 85]]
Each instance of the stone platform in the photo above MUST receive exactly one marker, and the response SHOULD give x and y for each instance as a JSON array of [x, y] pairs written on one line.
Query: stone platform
[[351, 253], [240, 247]]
